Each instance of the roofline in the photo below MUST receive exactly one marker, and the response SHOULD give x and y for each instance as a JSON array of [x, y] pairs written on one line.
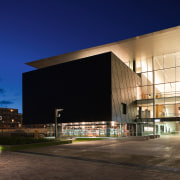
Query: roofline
[[109, 44]]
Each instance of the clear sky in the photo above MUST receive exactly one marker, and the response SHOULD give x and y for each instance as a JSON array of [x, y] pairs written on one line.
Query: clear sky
[[36, 29]]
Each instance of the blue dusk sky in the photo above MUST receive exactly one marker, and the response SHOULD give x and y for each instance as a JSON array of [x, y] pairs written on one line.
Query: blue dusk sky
[[36, 29]]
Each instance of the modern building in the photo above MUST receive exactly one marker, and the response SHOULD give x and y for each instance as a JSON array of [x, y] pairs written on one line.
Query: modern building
[[130, 87]]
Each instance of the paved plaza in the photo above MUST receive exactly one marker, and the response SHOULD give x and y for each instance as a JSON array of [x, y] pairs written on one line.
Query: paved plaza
[[106, 159]]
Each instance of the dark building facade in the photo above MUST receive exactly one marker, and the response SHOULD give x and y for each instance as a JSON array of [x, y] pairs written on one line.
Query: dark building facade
[[93, 91]]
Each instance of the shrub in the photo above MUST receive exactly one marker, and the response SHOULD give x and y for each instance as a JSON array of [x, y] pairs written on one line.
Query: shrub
[[22, 140]]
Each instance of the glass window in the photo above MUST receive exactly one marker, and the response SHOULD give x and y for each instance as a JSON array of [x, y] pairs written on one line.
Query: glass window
[[144, 92], [149, 63], [169, 100], [159, 90], [169, 60], [170, 110], [150, 92], [158, 62], [169, 75], [144, 79], [159, 76], [160, 111], [159, 101], [150, 78], [178, 110], [145, 113], [177, 88], [170, 89], [150, 111], [177, 59], [177, 73], [147, 92], [138, 66], [144, 65]]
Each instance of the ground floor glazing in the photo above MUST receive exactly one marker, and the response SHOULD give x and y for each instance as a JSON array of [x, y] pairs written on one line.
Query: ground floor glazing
[[116, 129]]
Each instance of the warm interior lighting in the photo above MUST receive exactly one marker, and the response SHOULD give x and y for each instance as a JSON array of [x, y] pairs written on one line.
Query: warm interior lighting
[[11, 110], [150, 129]]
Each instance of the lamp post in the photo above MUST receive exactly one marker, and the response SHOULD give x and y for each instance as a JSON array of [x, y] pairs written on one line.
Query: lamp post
[[57, 115]]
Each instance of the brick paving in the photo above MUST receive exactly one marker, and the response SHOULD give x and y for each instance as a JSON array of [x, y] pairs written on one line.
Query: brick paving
[[105, 159]]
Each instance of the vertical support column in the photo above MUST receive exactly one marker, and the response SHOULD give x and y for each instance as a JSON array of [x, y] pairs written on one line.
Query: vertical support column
[[142, 129], [51, 130], [60, 130], [120, 130], [154, 107], [108, 129], [159, 129], [56, 133], [136, 129]]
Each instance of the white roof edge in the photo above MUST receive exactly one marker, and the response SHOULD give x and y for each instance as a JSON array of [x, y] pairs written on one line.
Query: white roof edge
[[45, 62]]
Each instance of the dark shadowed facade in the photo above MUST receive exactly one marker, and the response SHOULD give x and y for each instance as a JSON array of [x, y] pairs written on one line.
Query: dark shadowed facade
[[90, 90]]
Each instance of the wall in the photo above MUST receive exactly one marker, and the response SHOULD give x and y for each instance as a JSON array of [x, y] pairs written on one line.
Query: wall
[[81, 88], [124, 90]]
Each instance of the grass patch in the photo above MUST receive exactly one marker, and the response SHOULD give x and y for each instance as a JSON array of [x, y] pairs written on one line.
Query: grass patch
[[86, 139], [28, 146], [20, 143]]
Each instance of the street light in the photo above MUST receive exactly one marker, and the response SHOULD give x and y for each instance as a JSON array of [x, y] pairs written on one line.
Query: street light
[[57, 115]]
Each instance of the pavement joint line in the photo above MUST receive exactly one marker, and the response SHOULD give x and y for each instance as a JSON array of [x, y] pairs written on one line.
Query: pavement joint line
[[162, 168]]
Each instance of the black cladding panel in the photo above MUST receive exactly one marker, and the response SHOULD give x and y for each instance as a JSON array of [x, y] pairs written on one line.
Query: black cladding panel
[[82, 88]]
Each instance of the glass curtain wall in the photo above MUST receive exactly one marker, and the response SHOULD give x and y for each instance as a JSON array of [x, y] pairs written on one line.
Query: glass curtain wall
[[160, 86], [98, 129]]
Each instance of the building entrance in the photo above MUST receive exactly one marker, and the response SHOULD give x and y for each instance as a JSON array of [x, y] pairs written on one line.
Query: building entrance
[[168, 128]]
